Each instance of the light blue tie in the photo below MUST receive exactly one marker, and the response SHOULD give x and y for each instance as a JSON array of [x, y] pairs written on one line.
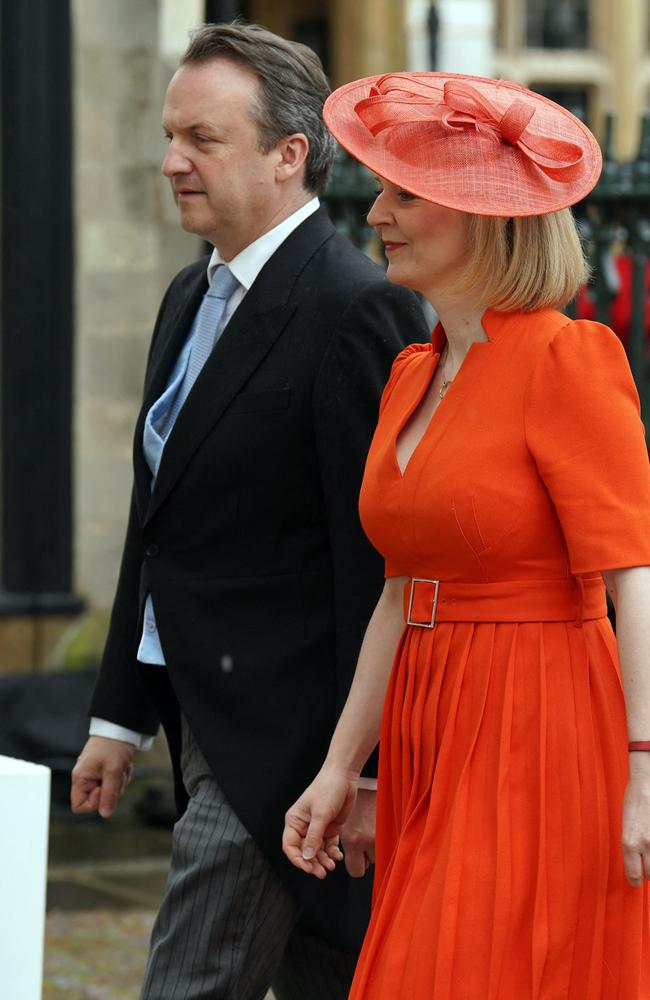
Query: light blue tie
[[206, 335], [206, 330]]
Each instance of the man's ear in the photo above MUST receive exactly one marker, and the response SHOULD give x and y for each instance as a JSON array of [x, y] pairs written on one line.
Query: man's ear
[[293, 154]]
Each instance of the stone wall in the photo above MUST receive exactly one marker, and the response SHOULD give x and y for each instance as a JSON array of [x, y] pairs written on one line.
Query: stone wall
[[128, 246]]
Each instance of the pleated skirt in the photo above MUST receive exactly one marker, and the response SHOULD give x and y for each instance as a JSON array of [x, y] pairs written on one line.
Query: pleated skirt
[[499, 871]]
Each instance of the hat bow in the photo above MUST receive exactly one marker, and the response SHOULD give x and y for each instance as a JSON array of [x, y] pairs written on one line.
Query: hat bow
[[399, 100]]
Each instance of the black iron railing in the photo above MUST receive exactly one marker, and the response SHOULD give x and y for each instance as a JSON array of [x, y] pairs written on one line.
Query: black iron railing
[[616, 217]]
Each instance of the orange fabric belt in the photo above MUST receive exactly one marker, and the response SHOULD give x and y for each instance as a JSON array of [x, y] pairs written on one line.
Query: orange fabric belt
[[427, 602]]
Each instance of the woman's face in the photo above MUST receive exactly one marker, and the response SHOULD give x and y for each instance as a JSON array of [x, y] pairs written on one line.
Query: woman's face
[[426, 245]]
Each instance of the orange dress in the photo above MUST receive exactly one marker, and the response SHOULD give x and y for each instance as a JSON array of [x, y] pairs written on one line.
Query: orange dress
[[499, 872]]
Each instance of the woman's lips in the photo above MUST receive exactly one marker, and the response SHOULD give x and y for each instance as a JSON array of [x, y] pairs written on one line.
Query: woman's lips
[[392, 247]]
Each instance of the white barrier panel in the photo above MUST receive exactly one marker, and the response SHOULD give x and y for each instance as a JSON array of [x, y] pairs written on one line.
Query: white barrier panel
[[24, 821]]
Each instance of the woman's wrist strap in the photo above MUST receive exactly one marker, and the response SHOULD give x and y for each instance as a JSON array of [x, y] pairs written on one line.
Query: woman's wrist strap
[[639, 745]]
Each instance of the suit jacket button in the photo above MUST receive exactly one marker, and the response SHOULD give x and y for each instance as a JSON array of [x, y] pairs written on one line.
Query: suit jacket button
[[151, 550]]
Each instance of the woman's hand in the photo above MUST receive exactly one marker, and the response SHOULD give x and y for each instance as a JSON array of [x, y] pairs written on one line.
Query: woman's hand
[[314, 822], [636, 821]]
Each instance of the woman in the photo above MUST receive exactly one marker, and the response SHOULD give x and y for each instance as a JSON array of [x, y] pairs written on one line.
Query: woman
[[508, 475]]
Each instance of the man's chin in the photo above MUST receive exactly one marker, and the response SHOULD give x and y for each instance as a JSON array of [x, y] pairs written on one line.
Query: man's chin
[[193, 225]]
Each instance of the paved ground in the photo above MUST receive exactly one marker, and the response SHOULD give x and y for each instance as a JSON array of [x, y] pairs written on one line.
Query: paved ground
[[95, 954], [104, 884]]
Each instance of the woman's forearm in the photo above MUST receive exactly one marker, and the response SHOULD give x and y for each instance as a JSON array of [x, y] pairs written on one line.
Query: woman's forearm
[[630, 591], [357, 732]]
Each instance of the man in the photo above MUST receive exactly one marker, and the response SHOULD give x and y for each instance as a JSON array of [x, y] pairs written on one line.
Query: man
[[246, 582]]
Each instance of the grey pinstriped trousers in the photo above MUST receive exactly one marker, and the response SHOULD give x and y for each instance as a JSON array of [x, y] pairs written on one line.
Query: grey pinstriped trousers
[[227, 927]]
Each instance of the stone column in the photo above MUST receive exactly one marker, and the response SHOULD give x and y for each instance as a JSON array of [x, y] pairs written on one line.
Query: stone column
[[626, 39], [418, 46], [128, 246], [368, 36], [37, 598], [465, 37]]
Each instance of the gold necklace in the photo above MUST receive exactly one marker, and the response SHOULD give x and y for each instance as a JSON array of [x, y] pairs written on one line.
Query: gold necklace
[[446, 382]]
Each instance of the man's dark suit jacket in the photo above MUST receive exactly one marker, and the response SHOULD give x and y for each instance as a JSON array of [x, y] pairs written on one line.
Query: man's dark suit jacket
[[250, 544]]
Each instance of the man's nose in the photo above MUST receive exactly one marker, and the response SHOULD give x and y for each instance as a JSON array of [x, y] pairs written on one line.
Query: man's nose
[[175, 162]]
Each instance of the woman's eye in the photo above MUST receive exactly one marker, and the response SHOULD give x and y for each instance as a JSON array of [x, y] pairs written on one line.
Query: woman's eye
[[406, 196]]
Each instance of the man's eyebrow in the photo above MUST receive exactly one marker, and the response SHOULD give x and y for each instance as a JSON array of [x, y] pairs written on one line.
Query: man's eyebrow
[[193, 127]]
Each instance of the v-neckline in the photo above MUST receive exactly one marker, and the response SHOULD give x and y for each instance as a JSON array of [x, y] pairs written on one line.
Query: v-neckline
[[439, 339]]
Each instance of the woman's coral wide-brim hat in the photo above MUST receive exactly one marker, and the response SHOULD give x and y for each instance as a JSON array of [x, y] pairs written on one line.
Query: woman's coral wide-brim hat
[[490, 147]]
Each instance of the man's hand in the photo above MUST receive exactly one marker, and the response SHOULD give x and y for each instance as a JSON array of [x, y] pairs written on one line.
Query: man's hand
[[358, 834], [102, 772]]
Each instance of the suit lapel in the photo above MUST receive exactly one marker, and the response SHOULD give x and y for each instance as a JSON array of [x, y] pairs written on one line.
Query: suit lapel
[[175, 326], [239, 352], [251, 333], [173, 335]]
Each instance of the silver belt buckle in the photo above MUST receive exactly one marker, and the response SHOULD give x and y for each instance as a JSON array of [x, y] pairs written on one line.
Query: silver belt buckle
[[436, 584]]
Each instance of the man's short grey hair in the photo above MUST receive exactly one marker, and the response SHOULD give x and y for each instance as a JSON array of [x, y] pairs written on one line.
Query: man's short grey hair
[[293, 88]]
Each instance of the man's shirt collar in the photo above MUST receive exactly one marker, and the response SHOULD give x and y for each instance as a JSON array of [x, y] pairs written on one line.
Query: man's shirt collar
[[248, 263]]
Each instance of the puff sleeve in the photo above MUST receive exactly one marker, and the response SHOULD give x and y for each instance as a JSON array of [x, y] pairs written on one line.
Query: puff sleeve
[[399, 366], [584, 431]]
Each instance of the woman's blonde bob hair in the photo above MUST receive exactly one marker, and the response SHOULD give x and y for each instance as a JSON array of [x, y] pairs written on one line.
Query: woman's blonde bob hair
[[524, 263]]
